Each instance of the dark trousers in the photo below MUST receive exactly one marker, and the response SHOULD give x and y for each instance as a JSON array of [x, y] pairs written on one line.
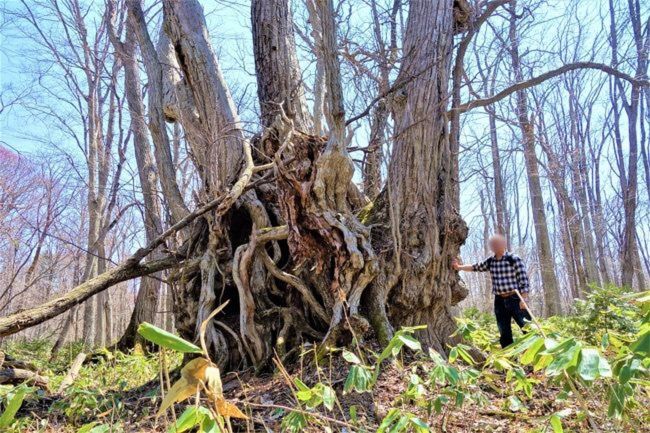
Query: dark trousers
[[507, 309]]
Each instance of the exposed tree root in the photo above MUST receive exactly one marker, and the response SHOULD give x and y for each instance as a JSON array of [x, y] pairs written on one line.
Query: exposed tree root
[[290, 256]]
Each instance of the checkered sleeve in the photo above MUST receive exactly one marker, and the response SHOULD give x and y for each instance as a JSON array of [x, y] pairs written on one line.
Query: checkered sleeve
[[483, 266], [522, 276]]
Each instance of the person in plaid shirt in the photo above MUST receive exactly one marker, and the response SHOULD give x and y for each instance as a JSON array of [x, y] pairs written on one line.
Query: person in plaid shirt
[[508, 275]]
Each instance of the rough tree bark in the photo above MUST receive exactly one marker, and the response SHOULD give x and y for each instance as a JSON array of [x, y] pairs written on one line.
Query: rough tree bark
[[162, 152], [420, 229], [279, 78]]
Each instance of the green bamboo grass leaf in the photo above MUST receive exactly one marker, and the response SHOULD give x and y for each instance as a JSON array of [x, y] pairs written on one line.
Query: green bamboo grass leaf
[[13, 404], [589, 363], [556, 424], [190, 418], [166, 339]]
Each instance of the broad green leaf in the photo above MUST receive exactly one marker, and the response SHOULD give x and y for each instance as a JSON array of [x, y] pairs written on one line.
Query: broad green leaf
[[351, 357], [166, 339], [642, 345], [359, 379], [435, 357], [542, 362], [556, 424], [604, 342], [565, 355], [304, 395], [190, 418], [329, 397], [589, 362], [453, 354], [301, 385], [452, 375], [553, 347], [410, 342], [628, 370], [294, 422], [209, 426], [462, 351], [604, 369], [617, 398], [13, 404], [532, 351]]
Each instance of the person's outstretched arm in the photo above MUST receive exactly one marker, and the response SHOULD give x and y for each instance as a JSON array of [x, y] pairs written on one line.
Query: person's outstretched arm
[[478, 267]]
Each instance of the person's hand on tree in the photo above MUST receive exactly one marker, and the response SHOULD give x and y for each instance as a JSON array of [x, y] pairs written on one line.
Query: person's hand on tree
[[455, 264]]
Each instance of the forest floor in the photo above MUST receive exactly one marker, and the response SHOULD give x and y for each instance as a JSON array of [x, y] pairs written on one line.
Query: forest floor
[[413, 391]]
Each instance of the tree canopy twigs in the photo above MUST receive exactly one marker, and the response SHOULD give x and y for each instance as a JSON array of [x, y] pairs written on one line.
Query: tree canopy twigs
[[470, 105]]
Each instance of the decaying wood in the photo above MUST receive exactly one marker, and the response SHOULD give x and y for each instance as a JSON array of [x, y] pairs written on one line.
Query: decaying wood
[[72, 373], [15, 376], [14, 372]]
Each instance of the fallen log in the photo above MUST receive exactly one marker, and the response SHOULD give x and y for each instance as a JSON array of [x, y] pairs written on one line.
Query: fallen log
[[15, 376], [15, 372], [72, 373]]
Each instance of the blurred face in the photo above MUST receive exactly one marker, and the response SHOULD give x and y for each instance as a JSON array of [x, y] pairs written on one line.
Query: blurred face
[[497, 244]]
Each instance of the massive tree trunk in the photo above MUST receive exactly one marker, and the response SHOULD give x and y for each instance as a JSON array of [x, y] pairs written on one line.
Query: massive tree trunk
[[542, 240], [420, 229], [308, 288]]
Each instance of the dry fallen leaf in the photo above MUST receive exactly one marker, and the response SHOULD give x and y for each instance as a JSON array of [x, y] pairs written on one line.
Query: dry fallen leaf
[[227, 409], [183, 388], [195, 368]]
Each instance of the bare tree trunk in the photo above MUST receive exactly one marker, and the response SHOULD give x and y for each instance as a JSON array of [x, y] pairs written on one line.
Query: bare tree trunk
[[422, 230], [630, 261], [216, 118], [374, 154], [101, 303], [171, 193], [147, 299], [545, 256], [578, 172], [501, 205], [280, 83]]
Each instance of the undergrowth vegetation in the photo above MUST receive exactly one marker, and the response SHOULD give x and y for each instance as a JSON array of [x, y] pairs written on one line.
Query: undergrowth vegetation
[[587, 371]]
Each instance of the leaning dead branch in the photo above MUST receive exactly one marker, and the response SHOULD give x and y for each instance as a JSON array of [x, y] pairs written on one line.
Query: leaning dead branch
[[132, 267]]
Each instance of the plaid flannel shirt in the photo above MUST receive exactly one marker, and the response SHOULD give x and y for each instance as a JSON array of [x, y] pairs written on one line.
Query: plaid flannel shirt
[[508, 274]]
